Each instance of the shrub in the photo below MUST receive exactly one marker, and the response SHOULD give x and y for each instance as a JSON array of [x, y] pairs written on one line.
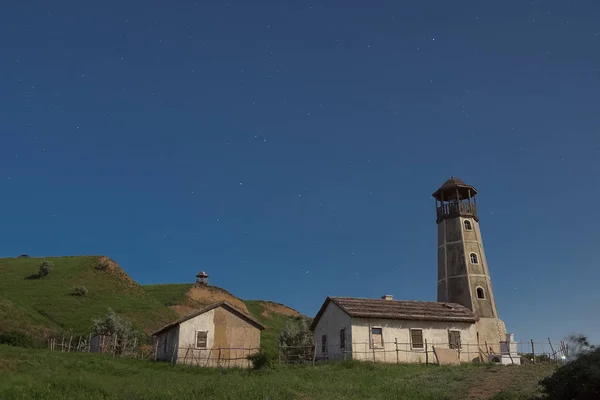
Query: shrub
[[23, 256], [45, 268], [16, 339], [80, 291], [102, 266], [578, 379], [262, 360], [297, 341], [113, 324]]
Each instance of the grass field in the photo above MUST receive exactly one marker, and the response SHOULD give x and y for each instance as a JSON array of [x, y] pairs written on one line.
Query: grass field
[[37, 306], [169, 294], [42, 374]]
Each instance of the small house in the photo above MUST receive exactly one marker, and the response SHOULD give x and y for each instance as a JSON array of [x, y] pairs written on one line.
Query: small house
[[387, 330], [217, 335]]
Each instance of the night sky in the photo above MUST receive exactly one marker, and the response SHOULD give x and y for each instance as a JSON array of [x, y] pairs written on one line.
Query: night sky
[[291, 149]]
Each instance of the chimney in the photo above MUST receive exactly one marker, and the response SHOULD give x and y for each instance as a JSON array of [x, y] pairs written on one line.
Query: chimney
[[387, 297]]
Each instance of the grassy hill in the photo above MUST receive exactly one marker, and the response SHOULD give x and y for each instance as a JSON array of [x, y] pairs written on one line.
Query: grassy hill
[[46, 306], [52, 375]]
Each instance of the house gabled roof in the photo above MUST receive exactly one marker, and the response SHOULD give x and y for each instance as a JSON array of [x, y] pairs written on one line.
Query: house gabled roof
[[398, 309], [228, 306]]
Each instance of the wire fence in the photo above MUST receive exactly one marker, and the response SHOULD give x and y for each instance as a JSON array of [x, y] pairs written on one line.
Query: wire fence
[[103, 344], [533, 351], [522, 352]]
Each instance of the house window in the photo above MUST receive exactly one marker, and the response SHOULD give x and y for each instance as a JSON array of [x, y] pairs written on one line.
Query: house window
[[468, 226], [324, 344], [165, 344], [480, 293], [416, 338], [343, 338], [474, 259], [376, 337], [201, 339], [454, 339]]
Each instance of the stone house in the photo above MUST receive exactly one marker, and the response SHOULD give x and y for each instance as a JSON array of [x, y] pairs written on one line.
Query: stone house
[[217, 335], [387, 330]]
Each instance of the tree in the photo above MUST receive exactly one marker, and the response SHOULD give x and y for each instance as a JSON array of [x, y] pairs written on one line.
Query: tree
[[296, 341]]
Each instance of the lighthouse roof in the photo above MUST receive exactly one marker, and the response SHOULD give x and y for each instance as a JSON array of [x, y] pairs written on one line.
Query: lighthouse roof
[[451, 187]]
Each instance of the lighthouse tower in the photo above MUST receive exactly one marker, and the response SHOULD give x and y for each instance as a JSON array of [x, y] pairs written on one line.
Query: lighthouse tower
[[463, 274]]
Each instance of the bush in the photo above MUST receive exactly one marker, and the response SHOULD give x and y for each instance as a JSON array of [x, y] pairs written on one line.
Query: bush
[[23, 256], [297, 341], [16, 339], [262, 360], [80, 291], [45, 268], [102, 266], [113, 324], [578, 379]]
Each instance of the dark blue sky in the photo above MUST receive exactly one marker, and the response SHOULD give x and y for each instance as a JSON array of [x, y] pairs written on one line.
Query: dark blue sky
[[290, 150]]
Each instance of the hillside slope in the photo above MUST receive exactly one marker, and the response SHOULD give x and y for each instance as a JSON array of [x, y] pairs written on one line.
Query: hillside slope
[[46, 305]]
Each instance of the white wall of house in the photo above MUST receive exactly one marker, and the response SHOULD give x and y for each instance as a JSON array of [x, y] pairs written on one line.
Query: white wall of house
[[435, 333], [183, 339], [332, 321], [187, 338]]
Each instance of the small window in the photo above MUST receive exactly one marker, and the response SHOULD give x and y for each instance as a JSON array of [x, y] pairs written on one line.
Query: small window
[[201, 339], [474, 259], [376, 337], [480, 293], [165, 344], [343, 338], [468, 226], [416, 338], [454, 339]]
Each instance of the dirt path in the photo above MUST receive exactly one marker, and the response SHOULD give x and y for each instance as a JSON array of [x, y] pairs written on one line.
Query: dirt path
[[494, 381]]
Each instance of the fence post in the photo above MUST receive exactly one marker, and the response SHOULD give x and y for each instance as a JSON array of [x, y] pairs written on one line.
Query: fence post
[[426, 353], [397, 356], [62, 344], [70, 340], [533, 351], [78, 343], [314, 354], [89, 346], [155, 348], [552, 349]]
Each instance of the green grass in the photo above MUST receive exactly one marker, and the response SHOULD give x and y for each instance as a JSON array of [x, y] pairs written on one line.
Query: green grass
[[269, 338], [46, 305], [169, 294], [42, 374]]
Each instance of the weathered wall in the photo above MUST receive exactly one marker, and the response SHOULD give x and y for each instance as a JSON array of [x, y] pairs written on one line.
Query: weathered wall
[[436, 334], [492, 331], [235, 337], [167, 343], [187, 352], [332, 321]]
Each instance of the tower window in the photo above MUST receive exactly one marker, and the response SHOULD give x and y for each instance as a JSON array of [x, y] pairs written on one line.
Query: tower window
[[468, 226], [474, 259], [480, 293]]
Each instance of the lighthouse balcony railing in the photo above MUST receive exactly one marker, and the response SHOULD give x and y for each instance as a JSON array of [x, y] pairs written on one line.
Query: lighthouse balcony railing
[[457, 209]]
